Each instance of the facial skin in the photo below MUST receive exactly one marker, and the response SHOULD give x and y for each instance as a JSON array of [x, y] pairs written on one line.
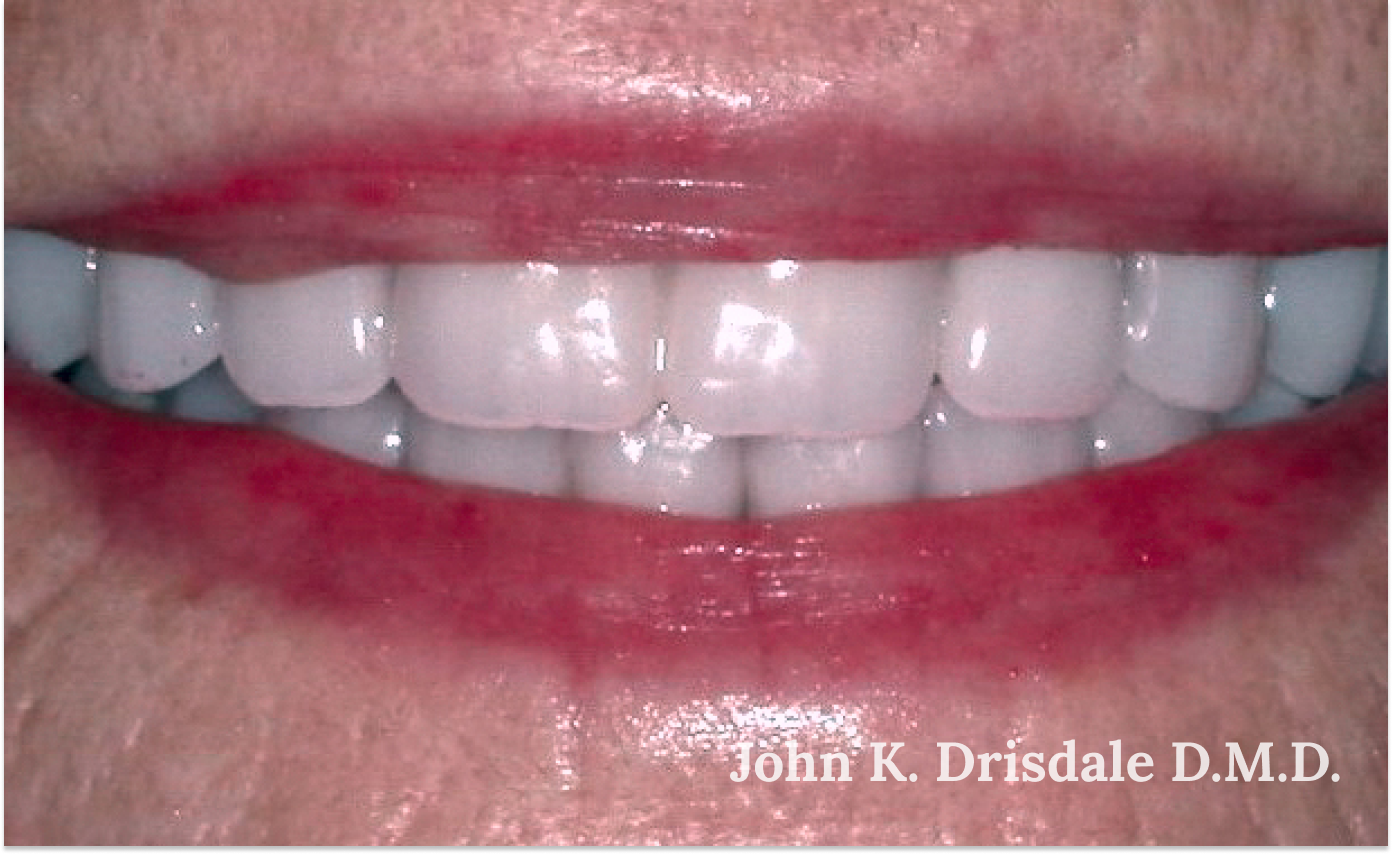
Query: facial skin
[[137, 712]]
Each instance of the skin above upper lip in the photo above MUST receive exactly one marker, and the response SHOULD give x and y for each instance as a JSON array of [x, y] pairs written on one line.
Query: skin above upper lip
[[533, 83]]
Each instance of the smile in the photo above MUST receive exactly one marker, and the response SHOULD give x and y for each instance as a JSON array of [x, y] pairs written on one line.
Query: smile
[[719, 389], [876, 393]]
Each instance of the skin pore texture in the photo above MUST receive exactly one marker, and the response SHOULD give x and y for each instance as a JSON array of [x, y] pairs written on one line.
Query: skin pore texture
[[141, 708]]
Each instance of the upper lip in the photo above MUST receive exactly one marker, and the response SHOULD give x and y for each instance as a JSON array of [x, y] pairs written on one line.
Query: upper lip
[[791, 133], [617, 182]]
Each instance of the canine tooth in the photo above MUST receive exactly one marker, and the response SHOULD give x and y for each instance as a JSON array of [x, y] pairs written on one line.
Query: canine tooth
[[661, 464], [1373, 361], [967, 455], [210, 395], [50, 300], [1134, 425], [1317, 307], [792, 475], [322, 340], [1272, 401], [156, 321], [821, 349], [523, 345], [1032, 333], [1195, 329], [531, 460], [371, 431], [88, 381]]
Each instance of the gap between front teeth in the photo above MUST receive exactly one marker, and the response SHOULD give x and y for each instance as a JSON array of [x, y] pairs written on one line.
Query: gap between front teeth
[[718, 389]]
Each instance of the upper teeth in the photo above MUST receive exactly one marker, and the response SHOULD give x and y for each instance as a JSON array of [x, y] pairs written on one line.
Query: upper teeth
[[1047, 360]]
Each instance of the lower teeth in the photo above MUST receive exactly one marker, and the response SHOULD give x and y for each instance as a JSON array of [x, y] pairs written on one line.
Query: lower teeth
[[817, 385]]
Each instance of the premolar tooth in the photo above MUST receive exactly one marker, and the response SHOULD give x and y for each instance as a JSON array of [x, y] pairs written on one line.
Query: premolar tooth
[[210, 395], [1374, 359], [1271, 401], [50, 300], [372, 431], [793, 475], [524, 460], [156, 321], [1195, 329], [967, 455], [661, 464], [1135, 425], [820, 349], [1318, 307], [523, 345], [1032, 333], [319, 341]]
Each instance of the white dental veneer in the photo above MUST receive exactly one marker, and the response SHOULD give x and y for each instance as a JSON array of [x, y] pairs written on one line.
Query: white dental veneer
[[531, 460], [50, 300], [1032, 333], [1271, 401], [372, 431], [1373, 360], [156, 321], [87, 379], [813, 350], [1318, 308], [660, 464], [525, 345], [319, 340], [1194, 328], [210, 395], [794, 475], [967, 455], [1134, 425]]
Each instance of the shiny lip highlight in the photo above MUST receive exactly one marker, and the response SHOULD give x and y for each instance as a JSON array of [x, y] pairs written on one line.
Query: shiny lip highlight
[[663, 190]]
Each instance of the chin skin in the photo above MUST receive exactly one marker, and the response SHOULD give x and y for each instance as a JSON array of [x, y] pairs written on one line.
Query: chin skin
[[142, 708]]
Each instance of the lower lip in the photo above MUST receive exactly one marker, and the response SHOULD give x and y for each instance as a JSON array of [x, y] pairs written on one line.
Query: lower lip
[[1057, 575], [657, 189]]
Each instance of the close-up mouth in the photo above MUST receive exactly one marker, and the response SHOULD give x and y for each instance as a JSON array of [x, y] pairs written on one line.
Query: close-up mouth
[[851, 406], [692, 392]]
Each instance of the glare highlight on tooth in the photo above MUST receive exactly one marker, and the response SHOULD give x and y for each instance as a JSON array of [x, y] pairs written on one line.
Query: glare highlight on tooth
[[156, 321], [807, 380], [1195, 328], [1134, 425], [332, 327], [509, 346], [50, 300], [818, 349], [795, 475], [662, 464], [1032, 333], [372, 431], [1317, 305]]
